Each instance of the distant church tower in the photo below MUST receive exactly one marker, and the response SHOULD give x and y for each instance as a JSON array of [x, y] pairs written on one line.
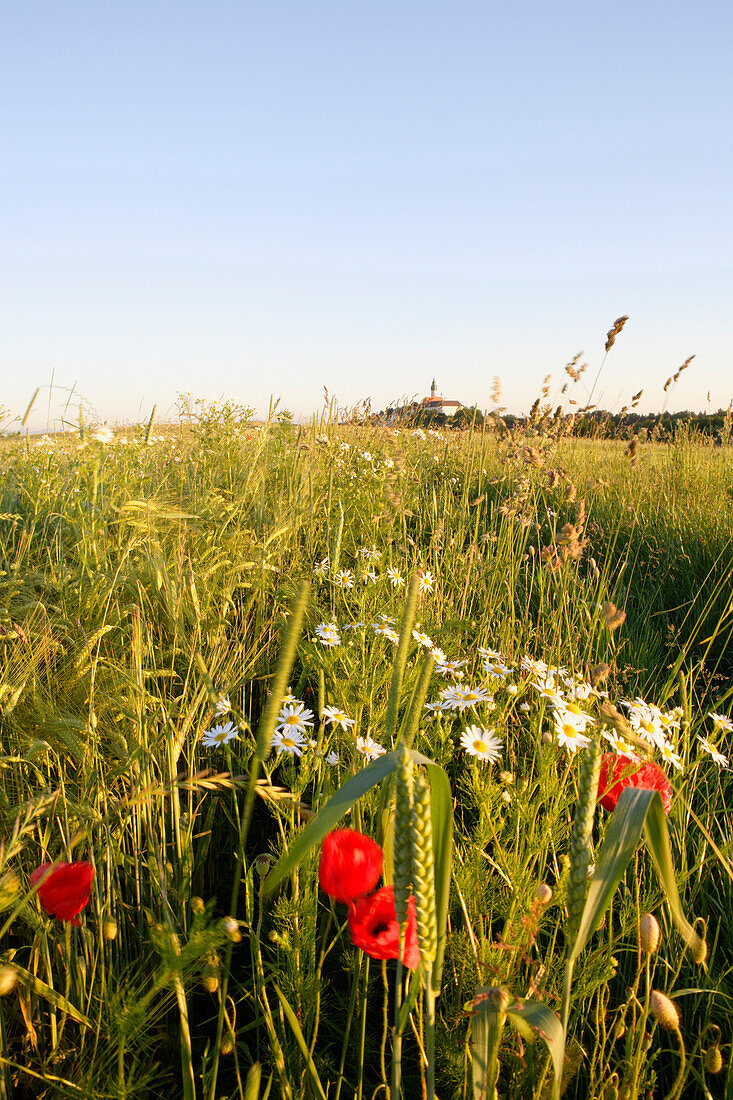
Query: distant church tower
[[436, 403]]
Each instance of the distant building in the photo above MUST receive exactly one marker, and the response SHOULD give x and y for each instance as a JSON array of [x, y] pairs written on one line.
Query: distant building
[[438, 404]]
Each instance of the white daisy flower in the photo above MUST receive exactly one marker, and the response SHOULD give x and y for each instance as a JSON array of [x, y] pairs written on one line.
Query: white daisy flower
[[435, 707], [669, 756], [344, 578], [438, 655], [104, 434], [481, 743], [369, 748], [295, 718], [569, 737], [396, 578], [427, 581], [720, 760], [720, 722], [496, 668], [321, 567], [449, 668], [290, 741], [288, 697], [368, 576], [327, 634], [571, 714], [490, 654], [422, 639], [220, 735], [332, 759], [623, 748], [336, 717], [534, 668], [459, 697], [223, 706], [369, 553]]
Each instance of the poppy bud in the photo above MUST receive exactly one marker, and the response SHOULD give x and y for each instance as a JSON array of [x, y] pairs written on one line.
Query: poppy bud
[[713, 1059], [649, 934], [230, 927], [8, 980], [543, 894], [664, 1011], [109, 929]]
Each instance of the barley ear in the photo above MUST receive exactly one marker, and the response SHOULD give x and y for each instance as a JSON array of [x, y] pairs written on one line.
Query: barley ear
[[581, 836], [423, 871]]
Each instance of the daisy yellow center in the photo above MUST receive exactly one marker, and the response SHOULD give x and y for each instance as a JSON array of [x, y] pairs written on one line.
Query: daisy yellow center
[[293, 720], [221, 735], [570, 731], [648, 727], [469, 696], [289, 742], [480, 746]]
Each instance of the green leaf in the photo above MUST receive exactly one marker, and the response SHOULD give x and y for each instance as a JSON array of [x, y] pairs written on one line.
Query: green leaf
[[441, 808], [657, 839], [545, 1023], [619, 844], [300, 1039]]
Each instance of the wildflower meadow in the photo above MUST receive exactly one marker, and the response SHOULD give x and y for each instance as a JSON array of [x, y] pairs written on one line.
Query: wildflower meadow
[[357, 760]]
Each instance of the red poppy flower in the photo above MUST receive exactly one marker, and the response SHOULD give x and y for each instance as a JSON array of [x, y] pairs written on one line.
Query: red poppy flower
[[66, 890], [350, 866], [374, 928], [618, 772]]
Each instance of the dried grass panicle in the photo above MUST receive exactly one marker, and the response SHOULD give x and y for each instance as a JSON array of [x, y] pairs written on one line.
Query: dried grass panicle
[[614, 330], [402, 857], [581, 835], [612, 616], [423, 874]]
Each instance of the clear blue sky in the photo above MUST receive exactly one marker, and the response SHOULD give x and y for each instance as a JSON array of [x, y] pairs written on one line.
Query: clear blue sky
[[251, 198]]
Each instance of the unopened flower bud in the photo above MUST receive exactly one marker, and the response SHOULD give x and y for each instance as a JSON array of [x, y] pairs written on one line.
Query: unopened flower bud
[[664, 1011], [649, 934], [8, 980], [230, 927], [109, 929], [197, 906], [543, 894], [227, 1045], [210, 977], [699, 951], [262, 864], [713, 1059]]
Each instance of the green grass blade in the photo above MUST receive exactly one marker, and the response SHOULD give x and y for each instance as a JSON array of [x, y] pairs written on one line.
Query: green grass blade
[[51, 995], [657, 837]]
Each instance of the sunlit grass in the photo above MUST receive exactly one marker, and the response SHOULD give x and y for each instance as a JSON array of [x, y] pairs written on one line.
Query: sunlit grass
[[142, 577]]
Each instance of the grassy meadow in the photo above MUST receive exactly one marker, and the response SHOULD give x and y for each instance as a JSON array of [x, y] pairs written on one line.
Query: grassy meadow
[[550, 598]]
